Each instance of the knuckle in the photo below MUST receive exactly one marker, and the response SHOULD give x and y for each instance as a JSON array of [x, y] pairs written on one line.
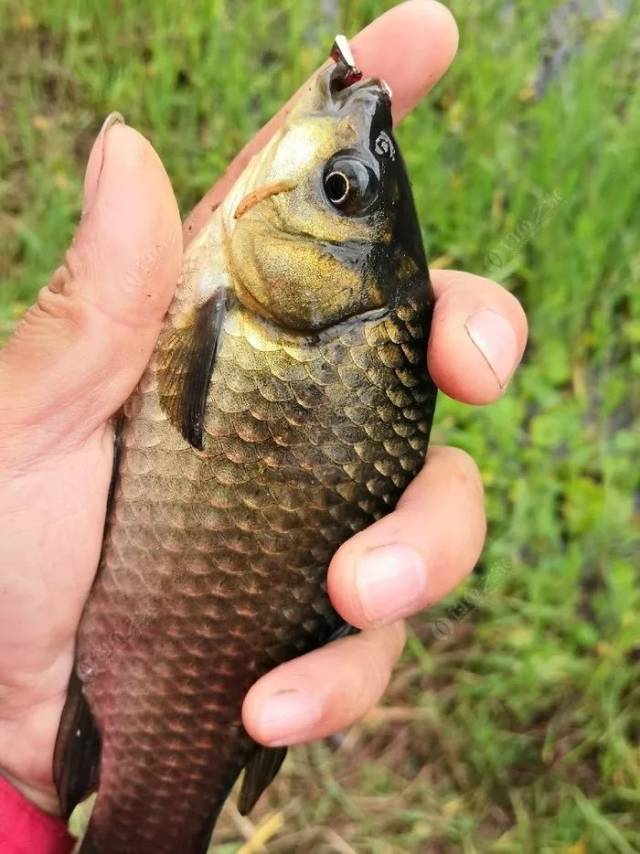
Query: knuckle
[[60, 306], [461, 466], [510, 307], [373, 679], [397, 638], [464, 464], [465, 495], [67, 276], [357, 688], [467, 474], [382, 648], [517, 312]]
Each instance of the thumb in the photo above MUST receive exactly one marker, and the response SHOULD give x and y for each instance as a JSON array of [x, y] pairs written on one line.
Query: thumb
[[78, 353]]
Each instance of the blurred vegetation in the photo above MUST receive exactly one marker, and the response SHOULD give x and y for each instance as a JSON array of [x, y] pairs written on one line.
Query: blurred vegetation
[[513, 723]]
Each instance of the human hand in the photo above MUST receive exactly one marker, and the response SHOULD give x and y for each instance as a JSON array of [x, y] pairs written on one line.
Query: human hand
[[78, 355]]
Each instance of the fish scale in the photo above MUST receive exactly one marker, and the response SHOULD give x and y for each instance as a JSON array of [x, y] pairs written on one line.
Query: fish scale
[[255, 615]]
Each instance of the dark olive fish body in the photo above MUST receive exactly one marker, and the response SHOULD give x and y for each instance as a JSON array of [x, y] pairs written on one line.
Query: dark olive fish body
[[260, 438]]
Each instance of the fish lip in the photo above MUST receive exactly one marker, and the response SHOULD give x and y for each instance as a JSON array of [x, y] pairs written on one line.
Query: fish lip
[[378, 89]]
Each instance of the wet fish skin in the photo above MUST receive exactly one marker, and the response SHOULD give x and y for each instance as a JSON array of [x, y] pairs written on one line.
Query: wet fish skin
[[215, 556]]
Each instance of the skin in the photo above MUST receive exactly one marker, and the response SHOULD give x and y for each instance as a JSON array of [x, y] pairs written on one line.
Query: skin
[[78, 355]]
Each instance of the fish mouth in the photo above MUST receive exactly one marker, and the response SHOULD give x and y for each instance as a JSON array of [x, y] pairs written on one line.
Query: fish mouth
[[344, 89], [345, 73]]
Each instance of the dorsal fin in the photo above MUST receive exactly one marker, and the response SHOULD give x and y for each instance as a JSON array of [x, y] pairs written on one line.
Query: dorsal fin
[[187, 357]]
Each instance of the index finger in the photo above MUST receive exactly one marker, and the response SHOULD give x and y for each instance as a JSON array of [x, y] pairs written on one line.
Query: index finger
[[410, 47]]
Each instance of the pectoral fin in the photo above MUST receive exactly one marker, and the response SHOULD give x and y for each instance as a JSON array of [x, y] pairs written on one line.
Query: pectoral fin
[[187, 358]]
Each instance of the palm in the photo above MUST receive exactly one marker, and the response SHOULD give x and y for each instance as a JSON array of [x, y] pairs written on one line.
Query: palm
[[75, 359], [53, 518]]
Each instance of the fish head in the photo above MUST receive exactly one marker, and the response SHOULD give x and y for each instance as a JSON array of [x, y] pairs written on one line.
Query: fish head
[[322, 226]]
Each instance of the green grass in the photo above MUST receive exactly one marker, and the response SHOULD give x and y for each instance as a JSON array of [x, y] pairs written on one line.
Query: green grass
[[513, 723]]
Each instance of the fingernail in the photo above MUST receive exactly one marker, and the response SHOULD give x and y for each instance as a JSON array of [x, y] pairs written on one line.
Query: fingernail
[[95, 165], [391, 582], [286, 716], [495, 339]]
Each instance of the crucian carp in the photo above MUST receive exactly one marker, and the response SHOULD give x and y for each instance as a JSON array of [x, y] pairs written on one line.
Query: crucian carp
[[286, 407]]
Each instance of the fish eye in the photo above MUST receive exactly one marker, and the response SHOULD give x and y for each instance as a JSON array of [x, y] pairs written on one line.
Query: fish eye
[[350, 185]]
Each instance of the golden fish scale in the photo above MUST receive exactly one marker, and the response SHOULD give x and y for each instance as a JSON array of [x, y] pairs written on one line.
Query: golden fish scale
[[214, 563]]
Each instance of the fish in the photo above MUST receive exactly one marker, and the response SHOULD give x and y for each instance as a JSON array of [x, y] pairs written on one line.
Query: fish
[[286, 406]]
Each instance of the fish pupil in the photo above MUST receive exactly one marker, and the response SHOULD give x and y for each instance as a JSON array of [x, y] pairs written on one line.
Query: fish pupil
[[337, 187]]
